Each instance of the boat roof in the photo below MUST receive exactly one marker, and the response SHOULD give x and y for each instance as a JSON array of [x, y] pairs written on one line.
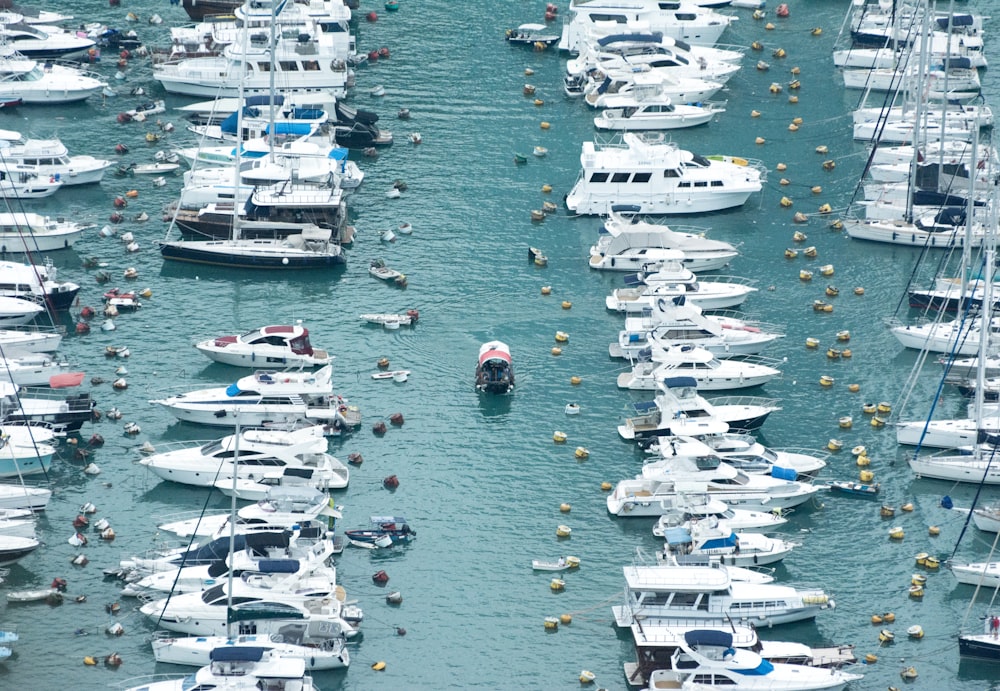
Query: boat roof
[[532, 27], [688, 579], [240, 653]]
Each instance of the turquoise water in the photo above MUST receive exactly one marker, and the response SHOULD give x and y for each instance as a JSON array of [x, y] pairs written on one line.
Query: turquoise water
[[481, 479]]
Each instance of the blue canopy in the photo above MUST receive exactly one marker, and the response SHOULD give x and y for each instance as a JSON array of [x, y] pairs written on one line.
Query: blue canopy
[[293, 128], [677, 382], [237, 653], [233, 390], [308, 113], [762, 669], [721, 542], [783, 473], [278, 565], [708, 637], [654, 37], [677, 536], [626, 208]]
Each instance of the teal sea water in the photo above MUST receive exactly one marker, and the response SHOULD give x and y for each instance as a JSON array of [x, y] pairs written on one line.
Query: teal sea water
[[481, 479]]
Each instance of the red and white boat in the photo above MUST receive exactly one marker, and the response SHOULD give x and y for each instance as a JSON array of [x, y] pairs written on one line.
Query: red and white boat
[[495, 371], [284, 346]]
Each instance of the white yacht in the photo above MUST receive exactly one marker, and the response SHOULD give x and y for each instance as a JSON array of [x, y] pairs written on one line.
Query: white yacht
[[629, 244], [49, 158], [237, 668], [275, 345], [41, 42], [25, 79], [670, 323], [659, 178], [18, 342], [623, 88], [955, 337], [17, 312], [37, 282], [963, 83], [709, 372], [263, 456], [590, 20], [267, 397], [983, 573], [710, 654], [714, 538], [664, 593], [656, 116], [23, 232], [701, 507], [671, 281], [292, 641]]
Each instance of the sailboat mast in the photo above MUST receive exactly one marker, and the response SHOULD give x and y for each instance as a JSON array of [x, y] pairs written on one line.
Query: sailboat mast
[[232, 527]]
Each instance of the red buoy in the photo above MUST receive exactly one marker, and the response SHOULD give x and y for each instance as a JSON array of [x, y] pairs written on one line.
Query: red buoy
[[120, 202], [414, 315], [383, 52], [60, 583], [87, 312], [124, 117], [372, 16], [380, 577], [121, 149], [373, 56], [391, 482], [379, 428], [96, 440], [782, 10], [81, 521], [124, 55], [550, 16], [82, 328], [116, 217], [396, 419], [355, 458]]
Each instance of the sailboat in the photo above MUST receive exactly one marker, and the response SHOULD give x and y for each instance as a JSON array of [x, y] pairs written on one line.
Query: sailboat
[[311, 247]]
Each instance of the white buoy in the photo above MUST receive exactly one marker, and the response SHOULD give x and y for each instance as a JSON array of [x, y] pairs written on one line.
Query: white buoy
[[92, 469], [108, 325], [102, 524]]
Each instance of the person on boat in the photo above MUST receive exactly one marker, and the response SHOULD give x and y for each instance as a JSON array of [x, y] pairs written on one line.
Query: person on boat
[[562, 561]]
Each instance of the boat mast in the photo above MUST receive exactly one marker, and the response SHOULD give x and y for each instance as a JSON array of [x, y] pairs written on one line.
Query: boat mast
[[232, 527]]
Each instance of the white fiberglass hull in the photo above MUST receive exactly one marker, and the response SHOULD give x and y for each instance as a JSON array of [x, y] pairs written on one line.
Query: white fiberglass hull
[[230, 355], [195, 651], [956, 469], [674, 202], [709, 296], [943, 434], [613, 119]]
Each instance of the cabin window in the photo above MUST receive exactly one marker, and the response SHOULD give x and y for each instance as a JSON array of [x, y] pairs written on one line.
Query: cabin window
[[671, 173], [701, 183], [599, 177], [263, 66], [700, 161], [716, 183], [684, 600], [617, 18], [641, 177], [310, 66], [684, 183], [620, 177], [289, 66], [685, 16]]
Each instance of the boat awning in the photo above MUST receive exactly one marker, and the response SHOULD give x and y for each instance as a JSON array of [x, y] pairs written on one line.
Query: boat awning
[[626, 208], [234, 653], [304, 473], [762, 669], [698, 637], [278, 565], [654, 37], [956, 21], [678, 382], [65, 380], [677, 536], [299, 129], [264, 99], [495, 355], [720, 543]]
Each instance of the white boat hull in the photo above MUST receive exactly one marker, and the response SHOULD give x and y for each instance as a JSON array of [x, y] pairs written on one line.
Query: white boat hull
[[195, 651]]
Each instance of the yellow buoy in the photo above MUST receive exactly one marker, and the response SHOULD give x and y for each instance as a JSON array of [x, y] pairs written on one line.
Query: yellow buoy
[[916, 591], [871, 658], [854, 388], [816, 189], [845, 422], [794, 84], [906, 507], [915, 631], [910, 672], [791, 253], [793, 127], [146, 293], [784, 181], [810, 251], [546, 290], [826, 380], [863, 461], [557, 350], [800, 217], [918, 579], [132, 194], [781, 166], [793, 99], [785, 202], [566, 304], [581, 452], [575, 381], [884, 407], [859, 450], [921, 558], [820, 306], [822, 149], [837, 225], [835, 445], [758, 14], [844, 335], [757, 45], [866, 476], [755, 113], [545, 125], [565, 618], [606, 486], [859, 291], [825, 209], [561, 336], [563, 531], [832, 291], [528, 71], [795, 70], [546, 188], [775, 88], [559, 437], [557, 584], [826, 269], [876, 619], [378, 666], [564, 507], [760, 140], [805, 275], [587, 677], [812, 342], [846, 353], [551, 623], [887, 511], [934, 530], [797, 121], [932, 563], [89, 660], [896, 533], [829, 165], [769, 26], [799, 236], [763, 66], [816, 31], [889, 617], [539, 102]]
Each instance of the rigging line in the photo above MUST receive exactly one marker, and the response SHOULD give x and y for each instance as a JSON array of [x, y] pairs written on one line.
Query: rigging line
[[975, 499], [979, 584]]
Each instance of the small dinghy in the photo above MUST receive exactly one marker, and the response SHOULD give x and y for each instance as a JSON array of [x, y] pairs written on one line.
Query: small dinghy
[[858, 488], [398, 375], [158, 168], [32, 595], [561, 564], [141, 112], [407, 319], [378, 269]]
